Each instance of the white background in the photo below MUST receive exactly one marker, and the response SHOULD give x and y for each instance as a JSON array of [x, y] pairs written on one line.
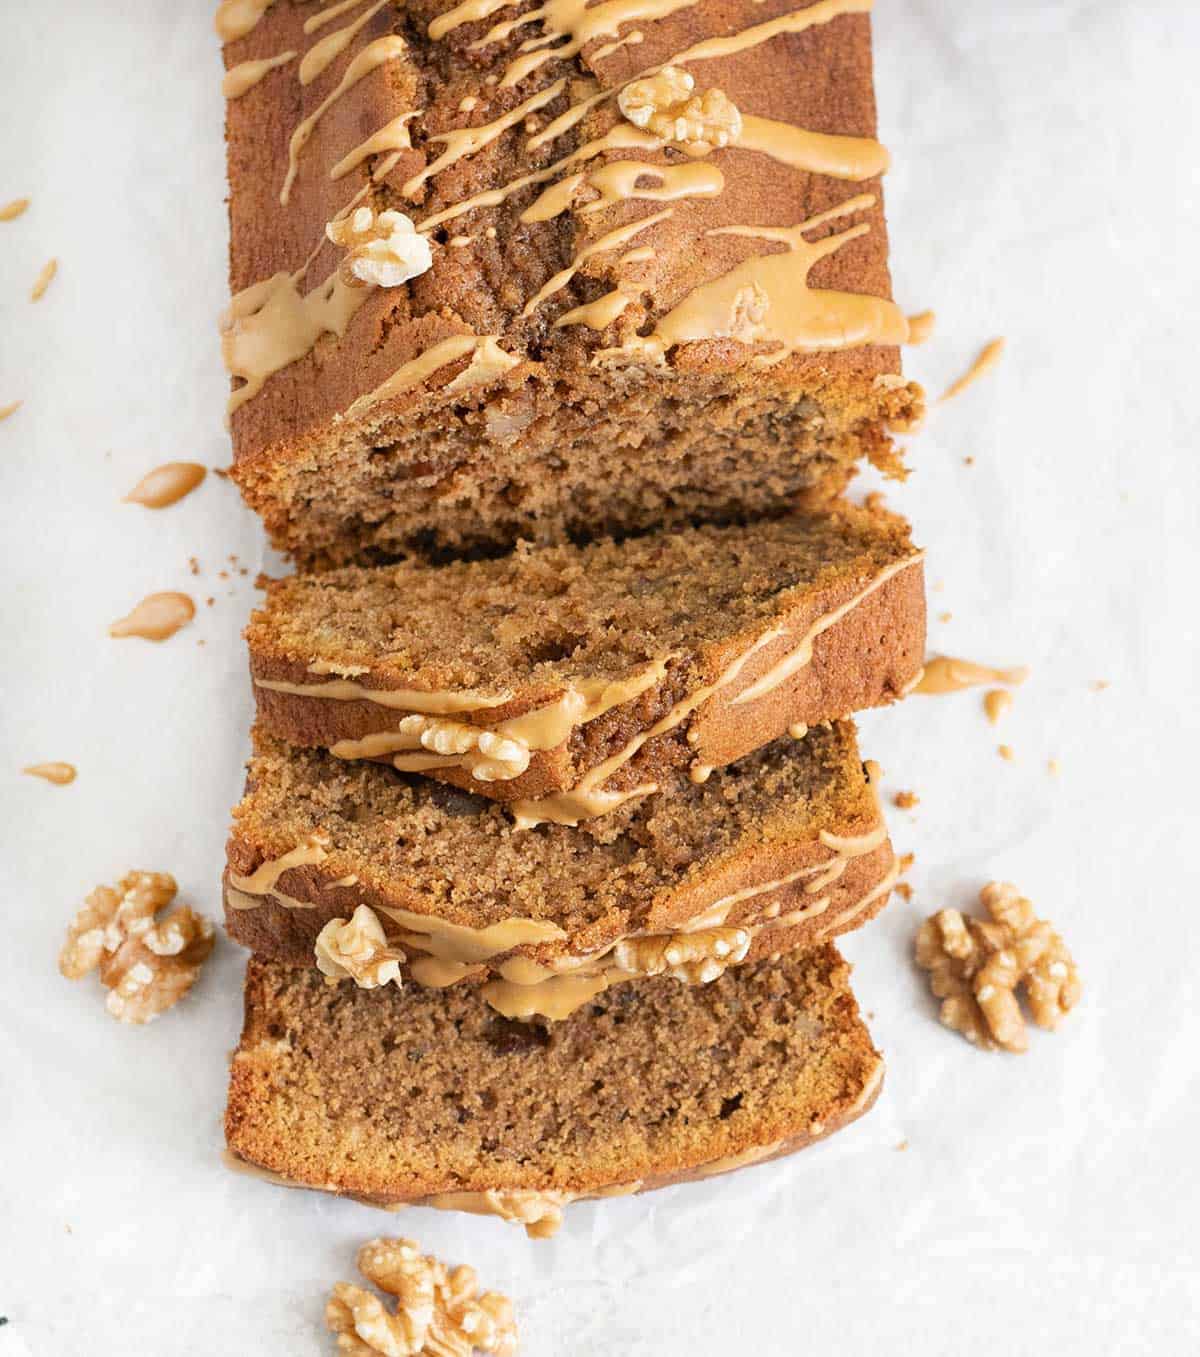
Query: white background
[[1044, 188]]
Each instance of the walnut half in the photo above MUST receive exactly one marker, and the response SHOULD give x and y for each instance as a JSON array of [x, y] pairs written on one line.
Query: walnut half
[[695, 958], [437, 1314], [147, 964], [383, 250], [358, 948], [666, 105], [976, 968]]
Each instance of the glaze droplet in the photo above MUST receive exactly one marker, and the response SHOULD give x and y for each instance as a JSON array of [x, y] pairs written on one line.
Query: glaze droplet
[[166, 484], [58, 773], [156, 617]]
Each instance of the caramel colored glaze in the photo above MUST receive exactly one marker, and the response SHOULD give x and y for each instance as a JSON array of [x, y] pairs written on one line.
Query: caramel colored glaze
[[326, 51], [270, 326], [374, 55], [528, 991], [10, 409], [597, 315], [329, 12], [767, 300], [985, 362], [623, 136], [454, 942], [512, 740], [393, 136], [12, 210], [997, 702], [619, 235], [853, 158], [399, 699], [43, 281], [578, 22], [1006, 752], [802, 655], [588, 797], [920, 327], [619, 181], [243, 77], [265, 877], [488, 361], [156, 617], [166, 484], [944, 674], [235, 18], [59, 773], [468, 141]]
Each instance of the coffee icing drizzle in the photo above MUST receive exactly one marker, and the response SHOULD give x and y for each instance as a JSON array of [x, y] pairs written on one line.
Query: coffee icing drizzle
[[697, 951], [764, 301], [582, 700]]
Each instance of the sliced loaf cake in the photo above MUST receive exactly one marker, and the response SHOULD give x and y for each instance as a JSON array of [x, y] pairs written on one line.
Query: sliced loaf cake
[[564, 679], [785, 848], [360, 1092]]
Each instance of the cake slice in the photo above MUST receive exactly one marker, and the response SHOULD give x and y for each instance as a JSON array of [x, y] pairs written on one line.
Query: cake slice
[[360, 1092], [550, 273], [564, 679], [783, 849]]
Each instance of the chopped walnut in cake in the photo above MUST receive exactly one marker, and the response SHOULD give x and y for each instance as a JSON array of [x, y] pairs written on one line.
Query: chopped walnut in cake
[[438, 1312], [383, 249], [666, 104], [358, 949], [147, 963], [695, 958], [977, 966]]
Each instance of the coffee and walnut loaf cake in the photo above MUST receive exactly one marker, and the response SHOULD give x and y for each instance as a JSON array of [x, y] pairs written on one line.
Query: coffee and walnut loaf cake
[[568, 676], [428, 1097], [557, 332], [507, 273], [783, 849]]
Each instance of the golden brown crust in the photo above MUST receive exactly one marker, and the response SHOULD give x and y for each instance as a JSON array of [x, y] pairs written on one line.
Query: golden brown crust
[[703, 437], [790, 1062]]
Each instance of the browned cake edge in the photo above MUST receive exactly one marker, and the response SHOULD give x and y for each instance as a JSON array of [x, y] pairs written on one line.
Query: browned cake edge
[[266, 1149]]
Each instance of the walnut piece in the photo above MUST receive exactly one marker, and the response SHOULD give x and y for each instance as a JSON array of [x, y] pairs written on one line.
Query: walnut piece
[[976, 967], [147, 963], [666, 104], [695, 958], [358, 948], [383, 250], [490, 757], [438, 1312], [541, 1212]]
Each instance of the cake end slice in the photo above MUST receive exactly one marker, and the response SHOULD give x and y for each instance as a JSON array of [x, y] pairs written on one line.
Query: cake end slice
[[362, 1093]]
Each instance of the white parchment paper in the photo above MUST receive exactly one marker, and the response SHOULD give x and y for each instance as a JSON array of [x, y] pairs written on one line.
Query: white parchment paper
[[1045, 188]]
